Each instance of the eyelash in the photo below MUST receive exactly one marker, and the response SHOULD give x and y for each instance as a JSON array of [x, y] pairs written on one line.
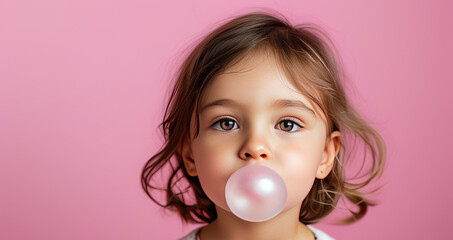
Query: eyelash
[[217, 124]]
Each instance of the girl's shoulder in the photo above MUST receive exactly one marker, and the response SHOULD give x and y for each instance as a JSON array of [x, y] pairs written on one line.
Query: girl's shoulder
[[320, 235]]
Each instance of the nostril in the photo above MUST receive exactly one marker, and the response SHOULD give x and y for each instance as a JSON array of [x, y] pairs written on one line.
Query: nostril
[[248, 155]]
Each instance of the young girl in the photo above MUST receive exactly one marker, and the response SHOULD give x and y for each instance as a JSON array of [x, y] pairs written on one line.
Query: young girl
[[259, 91]]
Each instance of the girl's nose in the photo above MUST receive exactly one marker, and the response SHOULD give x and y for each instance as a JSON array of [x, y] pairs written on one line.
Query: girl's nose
[[255, 148]]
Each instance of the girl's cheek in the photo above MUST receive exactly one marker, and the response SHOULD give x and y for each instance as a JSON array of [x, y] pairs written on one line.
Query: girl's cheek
[[299, 171], [215, 162]]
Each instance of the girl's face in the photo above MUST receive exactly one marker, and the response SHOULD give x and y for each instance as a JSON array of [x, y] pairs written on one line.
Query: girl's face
[[251, 114]]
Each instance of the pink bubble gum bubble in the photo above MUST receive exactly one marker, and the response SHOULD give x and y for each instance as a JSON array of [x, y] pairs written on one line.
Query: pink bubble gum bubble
[[255, 193]]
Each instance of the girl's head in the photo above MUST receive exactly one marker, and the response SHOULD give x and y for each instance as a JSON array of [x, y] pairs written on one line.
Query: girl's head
[[258, 90]]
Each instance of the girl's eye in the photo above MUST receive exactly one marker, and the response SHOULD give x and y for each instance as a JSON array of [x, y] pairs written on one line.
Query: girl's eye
[[225, 124], [288, 126]]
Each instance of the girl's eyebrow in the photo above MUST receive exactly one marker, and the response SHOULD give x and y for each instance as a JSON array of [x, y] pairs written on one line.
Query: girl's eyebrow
[[293, 103], [220, 102], [278, 103]]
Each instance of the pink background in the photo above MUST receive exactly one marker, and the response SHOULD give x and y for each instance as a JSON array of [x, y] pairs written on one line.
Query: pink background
[[83, 86]]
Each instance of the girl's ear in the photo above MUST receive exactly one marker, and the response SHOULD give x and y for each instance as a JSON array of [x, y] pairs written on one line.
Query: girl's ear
[[331, 150], [189, 163]]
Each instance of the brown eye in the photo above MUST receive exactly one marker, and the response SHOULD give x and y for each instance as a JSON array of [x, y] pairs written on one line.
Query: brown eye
[[288, 126], [225, 124]]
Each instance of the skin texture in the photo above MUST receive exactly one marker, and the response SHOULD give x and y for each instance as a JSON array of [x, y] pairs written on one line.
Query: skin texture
[[251, 114]]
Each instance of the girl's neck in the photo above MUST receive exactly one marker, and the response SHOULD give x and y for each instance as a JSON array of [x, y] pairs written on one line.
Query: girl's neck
[[285, 226]]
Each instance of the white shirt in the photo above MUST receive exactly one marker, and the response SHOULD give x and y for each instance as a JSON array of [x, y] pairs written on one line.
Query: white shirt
[[319, 235]]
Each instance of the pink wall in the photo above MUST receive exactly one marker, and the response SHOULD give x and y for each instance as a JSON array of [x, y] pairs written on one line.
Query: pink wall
[[82, 86]]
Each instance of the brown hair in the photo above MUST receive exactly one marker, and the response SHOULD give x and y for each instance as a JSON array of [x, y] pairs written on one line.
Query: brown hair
[[309, 63]]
